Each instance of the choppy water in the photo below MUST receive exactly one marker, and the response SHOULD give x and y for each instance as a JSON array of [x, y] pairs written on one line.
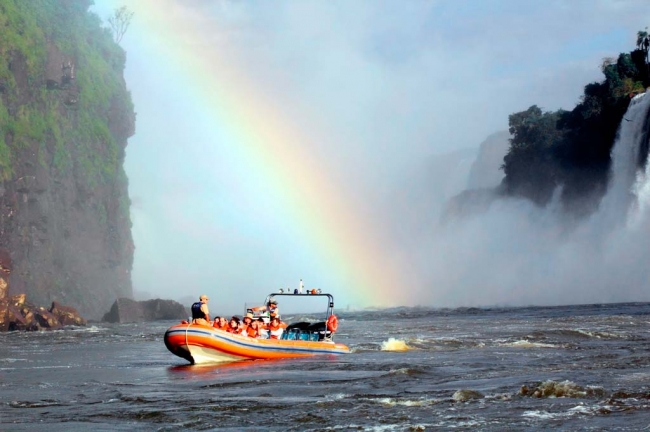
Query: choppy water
[[568, 368]]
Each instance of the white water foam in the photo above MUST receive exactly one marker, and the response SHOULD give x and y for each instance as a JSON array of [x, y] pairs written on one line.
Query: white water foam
[[393, 344], [579, 409], [528, 344], [407, 402]]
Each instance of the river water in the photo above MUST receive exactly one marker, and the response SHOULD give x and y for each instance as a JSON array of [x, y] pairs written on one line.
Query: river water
[[536, 368]]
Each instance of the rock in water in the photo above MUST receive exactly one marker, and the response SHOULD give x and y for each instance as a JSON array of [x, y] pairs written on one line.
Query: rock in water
[[465, 395], [67, 315], [125, 310], [18, 314]]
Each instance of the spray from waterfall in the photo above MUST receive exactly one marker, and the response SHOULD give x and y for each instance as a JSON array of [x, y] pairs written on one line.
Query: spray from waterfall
[[516, 253]]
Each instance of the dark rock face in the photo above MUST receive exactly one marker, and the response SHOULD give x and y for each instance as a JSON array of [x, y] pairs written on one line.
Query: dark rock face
[[5, 271], [125, 310]]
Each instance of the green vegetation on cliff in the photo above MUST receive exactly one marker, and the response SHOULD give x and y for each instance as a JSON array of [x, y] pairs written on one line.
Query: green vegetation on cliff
[[572, 148], [73, 71]]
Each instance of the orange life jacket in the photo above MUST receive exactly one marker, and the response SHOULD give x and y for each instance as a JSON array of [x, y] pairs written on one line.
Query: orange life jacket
[[275, 330], [220, 327], [251, 332]]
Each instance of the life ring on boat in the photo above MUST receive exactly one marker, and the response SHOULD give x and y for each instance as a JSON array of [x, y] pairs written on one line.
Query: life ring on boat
[[332, 323]]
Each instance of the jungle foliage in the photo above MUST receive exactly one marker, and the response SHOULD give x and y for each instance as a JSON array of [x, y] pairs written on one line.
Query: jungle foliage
[[572, 148]]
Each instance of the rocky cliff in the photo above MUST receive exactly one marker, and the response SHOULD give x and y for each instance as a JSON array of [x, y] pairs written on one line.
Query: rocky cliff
[[486, 171], [65, 116]]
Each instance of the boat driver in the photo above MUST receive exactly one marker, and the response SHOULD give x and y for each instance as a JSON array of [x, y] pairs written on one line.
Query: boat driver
[[272, 308], [200, 312]]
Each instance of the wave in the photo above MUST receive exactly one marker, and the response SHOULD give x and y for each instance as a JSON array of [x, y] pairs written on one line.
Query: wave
[[576, 410], [90, 329], [407, 371], [527, 344], [393, 344], [39, 404], [408, 402], [579, 333]]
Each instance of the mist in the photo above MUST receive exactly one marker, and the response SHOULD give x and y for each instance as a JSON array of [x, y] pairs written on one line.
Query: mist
[[383, 90], [516, 253]]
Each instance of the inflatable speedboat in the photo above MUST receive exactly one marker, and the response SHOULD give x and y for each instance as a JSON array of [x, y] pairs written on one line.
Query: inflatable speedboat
[[204, 344]]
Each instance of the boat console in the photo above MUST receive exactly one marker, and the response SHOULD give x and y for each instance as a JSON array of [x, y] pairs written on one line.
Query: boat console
[[307, 331]]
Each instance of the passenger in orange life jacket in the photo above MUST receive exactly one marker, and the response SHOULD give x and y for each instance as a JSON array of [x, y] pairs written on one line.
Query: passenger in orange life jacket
[[220, 323], [275, 327], [248, 319], [233, 325], [252, 330], [262, 329]]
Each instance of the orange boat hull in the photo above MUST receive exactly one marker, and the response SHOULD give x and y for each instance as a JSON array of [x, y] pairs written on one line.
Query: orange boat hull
[[202, 344]]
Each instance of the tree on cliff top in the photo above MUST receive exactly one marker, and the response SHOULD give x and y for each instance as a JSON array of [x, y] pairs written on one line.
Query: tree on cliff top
[[572, 148], [120, 21], [528, 165], [643, 43], [643, 40]]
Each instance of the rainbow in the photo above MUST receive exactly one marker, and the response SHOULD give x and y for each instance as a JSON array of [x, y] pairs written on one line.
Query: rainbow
[[262, 139]]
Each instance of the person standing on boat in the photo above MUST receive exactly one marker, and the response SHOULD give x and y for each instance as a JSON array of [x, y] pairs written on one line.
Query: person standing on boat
[[200, 312], [272, 307]]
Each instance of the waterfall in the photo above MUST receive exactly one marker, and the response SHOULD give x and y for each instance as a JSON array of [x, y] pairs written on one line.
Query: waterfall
[[628, 192], [641, 187]]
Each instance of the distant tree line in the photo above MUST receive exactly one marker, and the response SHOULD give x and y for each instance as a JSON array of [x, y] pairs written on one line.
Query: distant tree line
[[572, 148]]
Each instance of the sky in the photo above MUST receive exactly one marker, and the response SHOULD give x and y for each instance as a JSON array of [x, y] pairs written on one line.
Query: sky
[[273, 138]]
